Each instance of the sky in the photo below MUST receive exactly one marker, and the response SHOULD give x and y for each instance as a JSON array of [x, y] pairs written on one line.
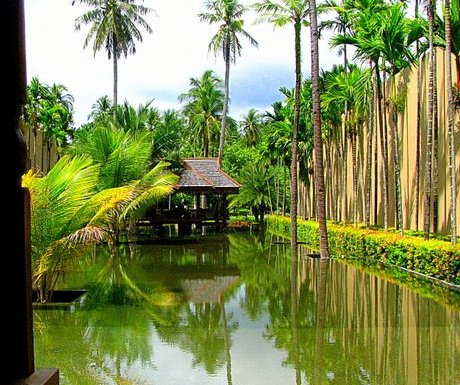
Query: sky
[[166, 60]]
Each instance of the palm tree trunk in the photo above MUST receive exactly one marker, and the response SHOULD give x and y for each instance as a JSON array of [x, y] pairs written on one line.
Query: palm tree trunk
[[394, 127], [355, 177], [418, 128], [205, 146], [277, 188], [317, 137], [383, 148], [418, 149], [434, 186], [345, 173], [369, 165], [450, 120], [285, 191], [225, 109], [270, 197], [376, 151], [332, 201], [337, 172], [429, 134], [115, 78], [295, 131]]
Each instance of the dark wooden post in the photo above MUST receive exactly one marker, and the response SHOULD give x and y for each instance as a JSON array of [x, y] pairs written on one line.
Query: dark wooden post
[[17, 340], [225, 210]]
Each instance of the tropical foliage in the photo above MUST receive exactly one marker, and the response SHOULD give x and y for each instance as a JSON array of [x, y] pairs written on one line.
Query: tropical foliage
[[92, 196], [270, 152], [227, 14], [59, 225], [49, 110], [114, 28]]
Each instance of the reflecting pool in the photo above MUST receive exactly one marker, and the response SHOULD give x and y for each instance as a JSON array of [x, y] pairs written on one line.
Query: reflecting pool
[[237, 309]]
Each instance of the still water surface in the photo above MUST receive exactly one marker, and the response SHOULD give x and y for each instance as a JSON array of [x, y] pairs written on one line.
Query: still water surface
[[237, 309]]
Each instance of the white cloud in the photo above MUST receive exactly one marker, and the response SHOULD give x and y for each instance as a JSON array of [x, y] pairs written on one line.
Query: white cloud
[[165, 61]]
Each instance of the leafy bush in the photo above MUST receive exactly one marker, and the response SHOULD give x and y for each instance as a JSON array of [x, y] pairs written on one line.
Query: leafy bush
[[435, 258]]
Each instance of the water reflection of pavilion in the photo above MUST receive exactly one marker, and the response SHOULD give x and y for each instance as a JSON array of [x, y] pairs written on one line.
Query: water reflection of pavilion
[[209, 290], [201, 177], [200, 282]]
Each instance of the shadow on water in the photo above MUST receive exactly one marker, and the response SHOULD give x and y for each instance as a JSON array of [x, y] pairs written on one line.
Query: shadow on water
[[244, 308]]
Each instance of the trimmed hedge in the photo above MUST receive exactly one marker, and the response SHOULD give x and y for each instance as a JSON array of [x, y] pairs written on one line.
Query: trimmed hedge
[[434, 258]]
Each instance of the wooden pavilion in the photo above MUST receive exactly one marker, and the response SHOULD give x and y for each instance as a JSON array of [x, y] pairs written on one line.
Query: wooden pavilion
[[203, 178]]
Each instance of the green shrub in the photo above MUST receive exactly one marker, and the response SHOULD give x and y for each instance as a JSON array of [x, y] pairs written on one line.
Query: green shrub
[[435, 258]]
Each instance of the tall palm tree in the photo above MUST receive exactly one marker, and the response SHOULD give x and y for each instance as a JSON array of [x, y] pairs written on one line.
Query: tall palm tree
[[431, 7], [281, 13], [317, 135], [396, 49], [114, 27], [450, 120], [204, 103], [227, 14], [341, 23]]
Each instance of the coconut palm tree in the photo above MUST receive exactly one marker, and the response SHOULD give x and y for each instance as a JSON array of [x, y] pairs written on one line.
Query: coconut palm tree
[[203, 108], [281, 13], [128, 118], [113, 27], [168, 136], [251, 125], [227, 14], [101, 110], [317, 135]]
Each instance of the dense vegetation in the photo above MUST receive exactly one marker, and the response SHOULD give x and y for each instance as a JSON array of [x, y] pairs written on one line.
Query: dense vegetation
[[269, 152]]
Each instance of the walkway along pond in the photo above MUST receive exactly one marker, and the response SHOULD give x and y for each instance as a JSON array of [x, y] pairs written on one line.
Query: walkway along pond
[[236, 309]]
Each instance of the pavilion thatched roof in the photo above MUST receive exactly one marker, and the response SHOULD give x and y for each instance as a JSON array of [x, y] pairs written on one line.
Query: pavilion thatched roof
[[204, 175]]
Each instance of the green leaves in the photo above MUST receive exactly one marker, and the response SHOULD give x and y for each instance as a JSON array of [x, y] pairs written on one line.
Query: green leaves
[[227, 14]]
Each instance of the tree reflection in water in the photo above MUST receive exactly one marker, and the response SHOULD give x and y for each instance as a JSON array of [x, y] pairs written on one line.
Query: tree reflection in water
[[318, 322]]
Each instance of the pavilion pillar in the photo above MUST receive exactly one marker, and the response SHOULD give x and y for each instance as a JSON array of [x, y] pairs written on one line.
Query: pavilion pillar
[[17, 363], [225, 210]]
